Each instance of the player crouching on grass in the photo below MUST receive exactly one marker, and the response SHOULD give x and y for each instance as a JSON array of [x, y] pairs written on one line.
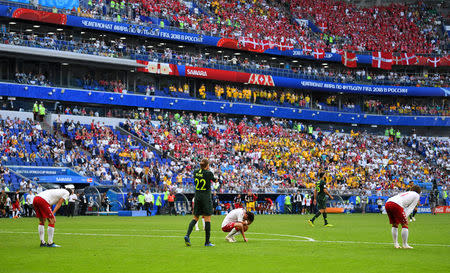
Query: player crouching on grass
[[42, 205], [398, 208], [237, 221]]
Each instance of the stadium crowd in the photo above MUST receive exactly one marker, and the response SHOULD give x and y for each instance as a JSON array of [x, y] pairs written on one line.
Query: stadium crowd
[[397, 27], [408, 27], [24, 142], [403, 108], [263, 156], [286, 98], [88, 82], [249, 95], [266, 155], [110, 156], [435, 150], [120, 49], [30, 78]]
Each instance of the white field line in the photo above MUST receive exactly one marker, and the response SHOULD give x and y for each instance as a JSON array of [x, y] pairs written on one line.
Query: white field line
[[162, 236], [303, 238]]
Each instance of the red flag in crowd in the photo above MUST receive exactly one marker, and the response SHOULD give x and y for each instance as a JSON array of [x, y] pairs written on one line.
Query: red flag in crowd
[[323, 26], [349, 59], [397, 60], [265, 44], [286, 46], [276, 45], [409, 58], [307, 50], [272, 44], [445, 61], [434, 61], [249, 43], [382, 60], [319, 53]]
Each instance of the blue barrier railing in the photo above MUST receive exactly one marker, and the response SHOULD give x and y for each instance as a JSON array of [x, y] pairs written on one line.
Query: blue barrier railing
[[117, 99]]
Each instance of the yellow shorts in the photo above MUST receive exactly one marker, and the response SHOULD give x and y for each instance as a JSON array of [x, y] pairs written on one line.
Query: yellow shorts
[[250, 206]]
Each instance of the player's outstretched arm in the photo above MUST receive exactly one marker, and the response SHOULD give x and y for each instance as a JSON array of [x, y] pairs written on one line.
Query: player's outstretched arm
[[58, 205]]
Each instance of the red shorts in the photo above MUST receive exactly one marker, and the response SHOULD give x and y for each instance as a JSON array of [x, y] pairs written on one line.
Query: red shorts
[[16, 206], [42, 208], [228, 227], [396, 214]]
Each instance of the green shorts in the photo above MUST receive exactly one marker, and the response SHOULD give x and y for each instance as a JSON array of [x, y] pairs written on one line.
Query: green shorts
[[203, 206], [321, 203]]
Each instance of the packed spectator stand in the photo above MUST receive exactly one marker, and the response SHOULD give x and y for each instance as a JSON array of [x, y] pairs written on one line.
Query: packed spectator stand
[[265, 154], [246, 153], [114, 158], [121, 49], [410, 28]]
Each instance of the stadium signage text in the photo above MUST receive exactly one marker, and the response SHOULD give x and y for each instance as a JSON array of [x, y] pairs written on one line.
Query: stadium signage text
[[135, 30], [100, 25], [158, 68], [64, 179], [194, 72], [354, 87], [33, 172], [268, 80], [424, 210], [37, 172], [442, 209], [261, 80]]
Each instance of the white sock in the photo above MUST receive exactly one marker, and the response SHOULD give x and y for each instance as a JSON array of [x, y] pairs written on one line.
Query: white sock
[[405, 233], [196, 226], [395, 235], [41, 230], [232, 233], [203, 223], [50, 233]]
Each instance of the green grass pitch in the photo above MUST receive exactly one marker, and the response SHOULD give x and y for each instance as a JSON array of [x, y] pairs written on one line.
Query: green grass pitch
[[277, 243]]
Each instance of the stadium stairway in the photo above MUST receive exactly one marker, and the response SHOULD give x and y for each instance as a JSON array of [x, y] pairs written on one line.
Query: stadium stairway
[[432, 162], [46, 126], [153, 148], [61, 135], [13, 179], [203, 9]]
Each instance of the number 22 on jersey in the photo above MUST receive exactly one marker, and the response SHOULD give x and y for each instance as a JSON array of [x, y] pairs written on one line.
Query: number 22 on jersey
[[200, 184]]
